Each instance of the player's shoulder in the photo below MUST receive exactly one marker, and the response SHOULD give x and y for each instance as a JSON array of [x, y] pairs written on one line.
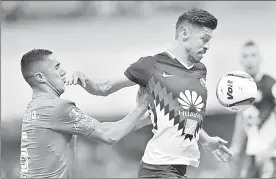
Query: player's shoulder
[[62, 106], [163, 56], [157, 57], [61, 103], [269, 83], [148, 59], [200, 66], [268, 78]]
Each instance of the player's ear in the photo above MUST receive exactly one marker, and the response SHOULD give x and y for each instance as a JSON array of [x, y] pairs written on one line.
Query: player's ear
[[184, 33], [40, 77]]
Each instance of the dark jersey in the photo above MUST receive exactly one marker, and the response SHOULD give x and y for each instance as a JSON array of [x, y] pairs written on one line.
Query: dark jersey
[[48, 140], [264, 108], [178, 103], [265, 101]]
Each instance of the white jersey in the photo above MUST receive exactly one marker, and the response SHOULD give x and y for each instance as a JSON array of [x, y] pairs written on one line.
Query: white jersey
[[178, 101]]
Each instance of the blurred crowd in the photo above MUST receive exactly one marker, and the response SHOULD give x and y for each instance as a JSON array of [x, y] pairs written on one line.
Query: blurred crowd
[[17, 10]]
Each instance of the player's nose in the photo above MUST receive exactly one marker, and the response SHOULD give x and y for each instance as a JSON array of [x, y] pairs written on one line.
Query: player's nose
[[207, 46], [62, 72]]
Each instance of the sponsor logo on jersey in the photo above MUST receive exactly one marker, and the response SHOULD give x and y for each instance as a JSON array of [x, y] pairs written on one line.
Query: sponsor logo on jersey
[[191, 101], [192, 104], [190, 114]]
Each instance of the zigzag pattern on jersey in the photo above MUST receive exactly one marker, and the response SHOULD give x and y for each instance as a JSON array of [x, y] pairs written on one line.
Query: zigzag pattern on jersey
[[166, 101]]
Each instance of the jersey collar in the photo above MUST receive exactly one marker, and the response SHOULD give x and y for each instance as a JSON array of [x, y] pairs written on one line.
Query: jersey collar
[[173, 57]]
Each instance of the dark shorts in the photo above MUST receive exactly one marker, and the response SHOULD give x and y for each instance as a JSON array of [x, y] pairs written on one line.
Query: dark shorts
[[161, 171], [253, 170]]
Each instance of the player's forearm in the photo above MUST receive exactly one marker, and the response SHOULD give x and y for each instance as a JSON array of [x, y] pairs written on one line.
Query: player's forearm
[[203, 137], [112, 132], [145, 122], [239, 136], [106, 87]]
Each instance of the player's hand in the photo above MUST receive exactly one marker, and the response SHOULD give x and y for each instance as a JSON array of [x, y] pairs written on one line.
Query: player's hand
[[145, 120], [78, 78], [216, 146], [142, 98], [236, 154]]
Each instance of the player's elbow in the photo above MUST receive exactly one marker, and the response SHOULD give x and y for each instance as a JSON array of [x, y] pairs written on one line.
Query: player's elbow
[[110, 140], [105, 89], [104, 93]]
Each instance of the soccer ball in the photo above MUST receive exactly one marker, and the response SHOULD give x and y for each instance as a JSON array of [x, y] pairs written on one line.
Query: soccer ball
[[236, 91]]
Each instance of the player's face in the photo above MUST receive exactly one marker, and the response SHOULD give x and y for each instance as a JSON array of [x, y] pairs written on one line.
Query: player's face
[[251, 59], [54, 74], [198, 43]]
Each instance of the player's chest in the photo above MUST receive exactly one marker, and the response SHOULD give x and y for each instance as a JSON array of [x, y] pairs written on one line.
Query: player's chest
[[178, 80], [262, 94]]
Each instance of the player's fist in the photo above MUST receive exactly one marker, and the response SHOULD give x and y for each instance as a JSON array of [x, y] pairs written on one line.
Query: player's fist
[[78, 78], [142, 98]]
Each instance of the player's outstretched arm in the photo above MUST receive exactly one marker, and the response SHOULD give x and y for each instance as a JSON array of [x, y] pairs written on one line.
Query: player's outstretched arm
[[239, 136], [139, 72], [100, 87], [214, 145], [69, 119]]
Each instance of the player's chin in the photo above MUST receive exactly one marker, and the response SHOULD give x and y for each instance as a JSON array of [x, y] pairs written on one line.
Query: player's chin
[[198, 58], [62, 89]]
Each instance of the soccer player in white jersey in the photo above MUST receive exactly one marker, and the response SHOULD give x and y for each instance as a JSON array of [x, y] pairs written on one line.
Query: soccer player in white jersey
[[178, 95], [257, 124]]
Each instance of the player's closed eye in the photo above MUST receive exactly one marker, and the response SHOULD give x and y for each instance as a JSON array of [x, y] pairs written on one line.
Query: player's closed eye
[[57, 66], [205, 39]]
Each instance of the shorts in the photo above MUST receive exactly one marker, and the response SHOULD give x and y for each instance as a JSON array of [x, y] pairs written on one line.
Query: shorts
[[251, 169], [161, 171]]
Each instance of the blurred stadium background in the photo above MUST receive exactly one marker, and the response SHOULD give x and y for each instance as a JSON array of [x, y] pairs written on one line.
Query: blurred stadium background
[[102, 38]]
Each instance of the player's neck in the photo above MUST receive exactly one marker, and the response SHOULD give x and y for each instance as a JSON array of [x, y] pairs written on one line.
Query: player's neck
[[45, 89], [181, 55], [258, 76]]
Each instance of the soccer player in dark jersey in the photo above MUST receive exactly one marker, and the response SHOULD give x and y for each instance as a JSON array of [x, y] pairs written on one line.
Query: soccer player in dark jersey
[[176, 80], [50, 124], [256, 126]]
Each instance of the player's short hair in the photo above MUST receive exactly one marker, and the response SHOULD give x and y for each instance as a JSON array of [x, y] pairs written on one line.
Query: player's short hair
[[249, 43], [31, 58], [198, 17]]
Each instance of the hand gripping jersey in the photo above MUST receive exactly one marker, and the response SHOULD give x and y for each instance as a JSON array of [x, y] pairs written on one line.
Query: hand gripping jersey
[[178, 103], [48, 140], [262, 135]]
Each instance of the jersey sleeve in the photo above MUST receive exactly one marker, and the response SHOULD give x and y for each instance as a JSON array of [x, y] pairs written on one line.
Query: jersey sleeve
[[203, 70], [141, 71], [67, 118], [271, 82]]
